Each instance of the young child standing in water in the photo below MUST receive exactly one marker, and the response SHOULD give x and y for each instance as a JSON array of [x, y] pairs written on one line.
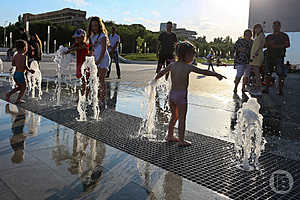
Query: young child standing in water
[[19, 60], [180, 71], [82, 50], [97, 35]]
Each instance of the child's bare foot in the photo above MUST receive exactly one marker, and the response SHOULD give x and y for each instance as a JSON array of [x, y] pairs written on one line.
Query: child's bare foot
[[184, 144], [20, 101], [7, 97], [172, 139]]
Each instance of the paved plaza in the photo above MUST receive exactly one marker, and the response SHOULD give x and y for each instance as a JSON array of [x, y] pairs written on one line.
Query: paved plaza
[[106, 159]]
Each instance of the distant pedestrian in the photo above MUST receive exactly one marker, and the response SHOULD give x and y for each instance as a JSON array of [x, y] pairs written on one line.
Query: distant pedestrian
[[97, 35], [166, 48], [276, 44], [210, 58], [113, 49]]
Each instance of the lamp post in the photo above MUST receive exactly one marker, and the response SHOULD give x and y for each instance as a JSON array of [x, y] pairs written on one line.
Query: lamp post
[[121, 48], [145, 47], [48, 40], [5, 41]]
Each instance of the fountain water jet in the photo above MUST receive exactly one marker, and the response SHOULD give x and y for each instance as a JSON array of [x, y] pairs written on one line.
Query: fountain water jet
[[154, 88], [35, 80], [63, 60], [248, 139], [89, 68]]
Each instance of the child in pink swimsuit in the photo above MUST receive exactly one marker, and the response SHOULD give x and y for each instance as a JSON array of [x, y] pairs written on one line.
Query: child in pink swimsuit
[[180, 71]]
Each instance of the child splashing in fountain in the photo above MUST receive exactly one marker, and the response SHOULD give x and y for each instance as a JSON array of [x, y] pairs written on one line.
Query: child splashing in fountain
[[19, 60], [82, 50], [180, 71], [97, 35]]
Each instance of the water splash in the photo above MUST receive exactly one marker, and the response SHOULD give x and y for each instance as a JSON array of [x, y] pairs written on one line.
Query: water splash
[[63, 61], [35, 80], [89, 67], [11, 77], [1, 66], [249, 142], [152, 91]]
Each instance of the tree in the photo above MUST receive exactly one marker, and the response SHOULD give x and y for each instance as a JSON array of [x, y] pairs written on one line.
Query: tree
[[139, 44]]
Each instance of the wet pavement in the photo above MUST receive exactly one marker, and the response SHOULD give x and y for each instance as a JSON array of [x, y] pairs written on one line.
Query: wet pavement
[[41, 159], [212, 112]]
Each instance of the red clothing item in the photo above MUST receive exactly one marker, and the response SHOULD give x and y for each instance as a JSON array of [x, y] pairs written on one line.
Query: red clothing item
[[80, 58]]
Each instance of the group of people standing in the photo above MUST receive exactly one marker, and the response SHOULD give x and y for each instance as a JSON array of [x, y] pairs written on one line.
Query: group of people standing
[[250, 57]]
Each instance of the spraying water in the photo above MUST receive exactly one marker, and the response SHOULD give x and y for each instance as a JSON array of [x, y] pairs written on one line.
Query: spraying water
[[249, 142], [63, 60], [11, 77], [151, 92], [89, 68], [1, 66], [35, 80]]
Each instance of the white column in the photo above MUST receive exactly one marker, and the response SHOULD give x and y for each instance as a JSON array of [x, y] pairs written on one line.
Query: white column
[[54, 45], [45, 44], [10, 40], [27, 26], [48, 40]]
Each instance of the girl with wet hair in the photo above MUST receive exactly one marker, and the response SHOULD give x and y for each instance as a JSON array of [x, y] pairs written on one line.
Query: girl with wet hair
[[98, 38], [180, 71]]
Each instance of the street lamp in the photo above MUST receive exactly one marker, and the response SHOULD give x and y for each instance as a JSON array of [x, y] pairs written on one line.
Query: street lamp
[[54, 45], [145, 47], [121, 48]]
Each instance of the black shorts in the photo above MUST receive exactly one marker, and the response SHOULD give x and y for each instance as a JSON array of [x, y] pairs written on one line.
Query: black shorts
[[165, 59]]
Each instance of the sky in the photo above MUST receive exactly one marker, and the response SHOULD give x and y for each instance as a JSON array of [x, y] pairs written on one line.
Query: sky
[[212, 18]]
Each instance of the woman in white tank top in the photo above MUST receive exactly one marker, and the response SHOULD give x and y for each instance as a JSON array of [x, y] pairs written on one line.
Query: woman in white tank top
[[97, 34]]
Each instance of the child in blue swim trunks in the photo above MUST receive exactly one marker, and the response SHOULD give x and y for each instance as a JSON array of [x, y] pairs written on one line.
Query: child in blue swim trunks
[[180, 71], [19, 60]]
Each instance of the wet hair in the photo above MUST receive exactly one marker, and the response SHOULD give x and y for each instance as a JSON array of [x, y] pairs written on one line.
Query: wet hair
[[183, 48], [101, 28], [20, 45], [255, 26], [247, 31], [277, 22], [169, 22]]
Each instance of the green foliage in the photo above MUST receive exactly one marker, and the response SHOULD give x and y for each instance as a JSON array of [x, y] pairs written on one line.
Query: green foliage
[[131, 36], [139, 44]]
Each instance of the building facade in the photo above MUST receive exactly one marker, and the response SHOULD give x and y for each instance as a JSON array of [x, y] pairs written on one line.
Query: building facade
[[64, 16], [163, 27], [180, 32]]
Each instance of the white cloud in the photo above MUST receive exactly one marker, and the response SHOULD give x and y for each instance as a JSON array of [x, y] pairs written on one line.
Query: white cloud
[[149, 24], [78, 2]]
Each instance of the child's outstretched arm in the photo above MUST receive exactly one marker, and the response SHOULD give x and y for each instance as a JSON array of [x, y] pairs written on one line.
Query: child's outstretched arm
[[163, 72], [207, 72]]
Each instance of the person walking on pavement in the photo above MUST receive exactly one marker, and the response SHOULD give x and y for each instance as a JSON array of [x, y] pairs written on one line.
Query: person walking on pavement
[[167, 41], [114, 39]]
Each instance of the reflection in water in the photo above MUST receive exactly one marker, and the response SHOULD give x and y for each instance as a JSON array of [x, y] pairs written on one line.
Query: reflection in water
[[85, 160], [17, 141], [33, 123], [172, 186], [112, 100]]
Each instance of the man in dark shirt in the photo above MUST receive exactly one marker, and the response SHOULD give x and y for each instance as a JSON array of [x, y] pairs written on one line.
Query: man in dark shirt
[[276, 44], [166, 48]]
